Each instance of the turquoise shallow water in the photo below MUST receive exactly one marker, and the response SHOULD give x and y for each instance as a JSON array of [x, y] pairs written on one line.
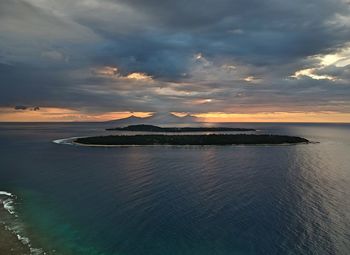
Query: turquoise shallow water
[[179, 200]]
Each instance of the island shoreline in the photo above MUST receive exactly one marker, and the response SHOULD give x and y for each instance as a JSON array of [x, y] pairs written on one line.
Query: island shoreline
[[188, 140]]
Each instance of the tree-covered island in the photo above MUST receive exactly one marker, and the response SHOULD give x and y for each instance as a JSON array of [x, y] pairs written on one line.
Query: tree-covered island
[[213, 139]]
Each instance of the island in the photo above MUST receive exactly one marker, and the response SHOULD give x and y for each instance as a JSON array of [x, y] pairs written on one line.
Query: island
[[212, 139], [152, 128]]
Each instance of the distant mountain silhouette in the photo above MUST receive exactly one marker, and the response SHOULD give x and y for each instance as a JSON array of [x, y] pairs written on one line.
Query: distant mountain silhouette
[[156, 119]]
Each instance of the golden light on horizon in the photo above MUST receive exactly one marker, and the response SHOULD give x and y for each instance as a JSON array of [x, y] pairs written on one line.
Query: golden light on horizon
[[53, 114], [316, 117]]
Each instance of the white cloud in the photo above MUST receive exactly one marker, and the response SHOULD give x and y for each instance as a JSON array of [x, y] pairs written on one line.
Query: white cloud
[[339, 59], [311, 73]]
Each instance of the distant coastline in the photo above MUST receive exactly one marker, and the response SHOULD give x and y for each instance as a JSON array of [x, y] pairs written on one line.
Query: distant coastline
[[152, 128]]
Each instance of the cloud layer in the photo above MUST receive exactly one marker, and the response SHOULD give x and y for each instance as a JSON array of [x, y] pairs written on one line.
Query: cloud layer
[[182, 56]]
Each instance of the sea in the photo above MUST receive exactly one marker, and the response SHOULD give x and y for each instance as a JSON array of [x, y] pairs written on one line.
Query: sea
[[59, 198]]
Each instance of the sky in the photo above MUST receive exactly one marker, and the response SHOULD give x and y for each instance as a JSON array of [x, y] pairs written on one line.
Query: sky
[[221, 60]]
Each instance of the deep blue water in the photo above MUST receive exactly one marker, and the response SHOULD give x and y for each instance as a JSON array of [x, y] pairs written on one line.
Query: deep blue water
[[180, 200]]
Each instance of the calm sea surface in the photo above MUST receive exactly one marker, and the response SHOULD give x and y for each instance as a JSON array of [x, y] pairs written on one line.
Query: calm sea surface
[[178, 200]]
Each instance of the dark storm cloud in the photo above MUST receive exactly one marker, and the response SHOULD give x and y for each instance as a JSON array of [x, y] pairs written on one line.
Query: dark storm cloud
[[239, 54], [252, 28]]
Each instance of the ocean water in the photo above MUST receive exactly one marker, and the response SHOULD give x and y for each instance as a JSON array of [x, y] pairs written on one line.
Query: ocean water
[[169, 200]]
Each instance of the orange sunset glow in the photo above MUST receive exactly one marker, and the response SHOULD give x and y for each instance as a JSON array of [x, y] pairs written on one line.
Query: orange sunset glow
[[61, 115], [68, 115]]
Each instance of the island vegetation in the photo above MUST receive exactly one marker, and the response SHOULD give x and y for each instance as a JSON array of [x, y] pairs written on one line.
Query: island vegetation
[[213, 139], [152, 128]]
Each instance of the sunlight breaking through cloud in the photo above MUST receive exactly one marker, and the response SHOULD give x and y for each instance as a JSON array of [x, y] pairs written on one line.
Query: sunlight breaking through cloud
[[119, 56]]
